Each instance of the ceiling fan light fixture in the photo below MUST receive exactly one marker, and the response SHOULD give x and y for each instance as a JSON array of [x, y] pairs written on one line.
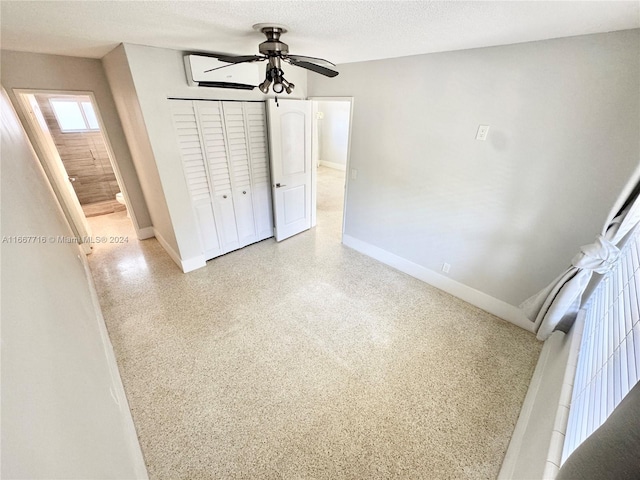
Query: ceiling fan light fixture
[[288, 86], [264, 86], [278, 87]]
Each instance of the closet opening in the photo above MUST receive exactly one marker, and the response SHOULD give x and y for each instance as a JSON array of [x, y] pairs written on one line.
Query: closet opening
[[251, 172]]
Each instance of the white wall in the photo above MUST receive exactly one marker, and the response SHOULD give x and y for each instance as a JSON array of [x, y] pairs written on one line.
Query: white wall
[[509, 213], [158, 74], [64, 411], [21, 70], [333, 133], [125, 96]]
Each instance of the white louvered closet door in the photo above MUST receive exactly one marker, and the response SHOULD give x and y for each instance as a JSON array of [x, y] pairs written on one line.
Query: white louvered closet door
[[238, 149], [211, 122], [194, 166], [256, 123]]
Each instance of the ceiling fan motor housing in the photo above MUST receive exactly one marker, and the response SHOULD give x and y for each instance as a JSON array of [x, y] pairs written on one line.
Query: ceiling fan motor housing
[[273, 46]]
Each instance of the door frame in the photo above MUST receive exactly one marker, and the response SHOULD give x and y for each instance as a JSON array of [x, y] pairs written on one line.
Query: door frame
[[314, 155], [51, 162]]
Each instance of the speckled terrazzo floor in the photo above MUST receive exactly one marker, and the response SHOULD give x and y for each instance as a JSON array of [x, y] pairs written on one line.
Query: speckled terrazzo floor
[[306, 360]]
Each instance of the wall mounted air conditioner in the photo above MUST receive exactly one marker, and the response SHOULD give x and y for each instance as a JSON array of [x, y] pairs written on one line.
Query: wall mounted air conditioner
[[243, 75]]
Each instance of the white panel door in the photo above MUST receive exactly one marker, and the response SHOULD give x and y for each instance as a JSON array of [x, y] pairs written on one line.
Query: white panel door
[[238, 148], [290, 142], [195, 170], [256, 124], [211, 122]]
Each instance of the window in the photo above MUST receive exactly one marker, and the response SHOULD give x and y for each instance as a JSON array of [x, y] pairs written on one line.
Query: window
[[74, 115], [609, 358]]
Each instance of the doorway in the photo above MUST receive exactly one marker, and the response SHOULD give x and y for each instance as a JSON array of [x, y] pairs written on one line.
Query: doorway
[[76, 156], [331, 142]]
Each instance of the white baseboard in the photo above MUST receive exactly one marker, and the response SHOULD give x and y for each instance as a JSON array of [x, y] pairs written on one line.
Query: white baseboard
[[170, 251], [146, 232], [185, 265], [193, 264], [470, 295], [336, 166], [117, 388]]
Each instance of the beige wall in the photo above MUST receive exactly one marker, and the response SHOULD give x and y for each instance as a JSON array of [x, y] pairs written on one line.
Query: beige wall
[[20, 70], [64, 410], [509, 213]]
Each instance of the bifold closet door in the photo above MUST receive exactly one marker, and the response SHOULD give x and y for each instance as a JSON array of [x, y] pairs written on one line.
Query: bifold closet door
[[224, 152], [238, 159], [212, 131], [255, 120], [196, 175]]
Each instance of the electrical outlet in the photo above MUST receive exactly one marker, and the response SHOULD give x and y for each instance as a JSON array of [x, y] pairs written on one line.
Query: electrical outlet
[[483, 131], [446, 267], [354, 174]]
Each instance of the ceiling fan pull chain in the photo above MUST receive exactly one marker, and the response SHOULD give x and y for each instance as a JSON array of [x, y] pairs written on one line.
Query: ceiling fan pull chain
[[277, 104]]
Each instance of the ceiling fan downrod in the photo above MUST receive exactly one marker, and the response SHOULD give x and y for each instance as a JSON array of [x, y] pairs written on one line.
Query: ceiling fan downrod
[[273, 48]]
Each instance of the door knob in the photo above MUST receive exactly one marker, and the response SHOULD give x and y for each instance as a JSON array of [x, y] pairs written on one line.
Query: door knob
[[278, 185], [244, 192], [224, 196], [72, 179]]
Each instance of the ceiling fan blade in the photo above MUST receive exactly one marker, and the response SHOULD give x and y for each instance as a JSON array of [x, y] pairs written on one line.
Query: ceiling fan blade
[[235, 60], [317, 61], [218, 68], [241, 59], [313, 67]]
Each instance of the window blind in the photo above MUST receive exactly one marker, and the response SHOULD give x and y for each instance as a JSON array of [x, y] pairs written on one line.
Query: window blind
[[609, 356]]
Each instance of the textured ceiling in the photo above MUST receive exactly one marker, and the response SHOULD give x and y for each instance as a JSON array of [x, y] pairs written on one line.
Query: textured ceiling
[[341, 31]]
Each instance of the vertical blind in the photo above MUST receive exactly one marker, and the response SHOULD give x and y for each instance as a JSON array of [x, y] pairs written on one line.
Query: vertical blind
[[609, 356]]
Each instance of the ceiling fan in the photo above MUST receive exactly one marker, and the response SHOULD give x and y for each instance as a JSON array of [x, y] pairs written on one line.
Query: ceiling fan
[[276, 51]]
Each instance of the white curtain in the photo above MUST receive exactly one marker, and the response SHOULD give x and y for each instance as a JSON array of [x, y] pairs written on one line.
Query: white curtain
[[560, 301]]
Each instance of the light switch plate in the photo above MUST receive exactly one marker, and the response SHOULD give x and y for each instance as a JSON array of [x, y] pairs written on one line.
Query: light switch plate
[[483, 131]]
